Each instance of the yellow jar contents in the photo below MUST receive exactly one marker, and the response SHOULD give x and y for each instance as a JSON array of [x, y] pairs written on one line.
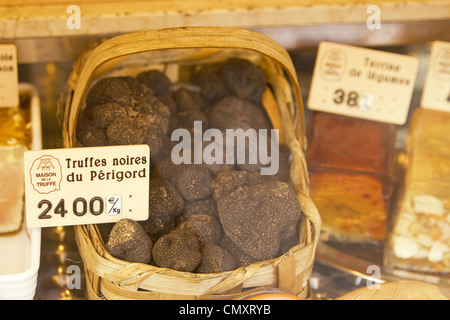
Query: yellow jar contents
[[15, 132], [351, 165]]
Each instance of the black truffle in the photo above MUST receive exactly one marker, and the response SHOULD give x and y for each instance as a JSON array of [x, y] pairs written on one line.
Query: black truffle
[[206, 227], [241, 258], [165, 203], [244, 79], [107, 90], [129, 242], [157, 81], [215, 259], [188, 100], [250, 144], [228, 181], [256, 217], [194, 182], [165, 169], [155, 111], [215, 153], [231, 111], [168, 101], [185, 120], [156, 138], [105, 114], [204, 206], [127, 131], [138, 90], [88, 134], [211, 82], [179, 250]]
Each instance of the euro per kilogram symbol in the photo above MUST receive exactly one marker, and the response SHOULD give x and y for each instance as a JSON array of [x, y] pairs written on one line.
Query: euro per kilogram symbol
[[113, 205]]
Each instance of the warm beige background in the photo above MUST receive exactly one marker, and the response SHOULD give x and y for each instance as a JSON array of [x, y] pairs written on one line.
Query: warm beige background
[[42, 18]]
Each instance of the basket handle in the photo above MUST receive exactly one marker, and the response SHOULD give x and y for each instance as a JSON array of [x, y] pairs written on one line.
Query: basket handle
[[173, 38]]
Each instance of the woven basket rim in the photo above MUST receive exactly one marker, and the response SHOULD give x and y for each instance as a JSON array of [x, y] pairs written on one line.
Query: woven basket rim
[[174, 38]]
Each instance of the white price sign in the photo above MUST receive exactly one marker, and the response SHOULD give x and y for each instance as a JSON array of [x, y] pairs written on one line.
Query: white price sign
[[436, 90], [9, 79], [363, 83], [86, 185]]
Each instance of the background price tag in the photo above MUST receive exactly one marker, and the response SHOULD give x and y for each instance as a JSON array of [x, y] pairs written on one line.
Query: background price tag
[[436, 90], [363, 83], [9, 79], [86, 185]]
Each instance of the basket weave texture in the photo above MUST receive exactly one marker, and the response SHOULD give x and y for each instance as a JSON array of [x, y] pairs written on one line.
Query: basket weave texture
[[111, 278]]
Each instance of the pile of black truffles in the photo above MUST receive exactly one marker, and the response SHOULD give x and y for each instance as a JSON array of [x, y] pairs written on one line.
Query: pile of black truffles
[[202, 217]]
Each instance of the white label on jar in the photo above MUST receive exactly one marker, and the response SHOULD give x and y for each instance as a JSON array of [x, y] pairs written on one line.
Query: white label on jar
[[436, 90]]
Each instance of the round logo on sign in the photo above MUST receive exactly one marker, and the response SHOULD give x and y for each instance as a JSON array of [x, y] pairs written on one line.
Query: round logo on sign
[[46, 174]]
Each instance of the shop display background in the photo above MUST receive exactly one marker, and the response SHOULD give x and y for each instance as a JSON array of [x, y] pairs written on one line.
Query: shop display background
[[47, 63]]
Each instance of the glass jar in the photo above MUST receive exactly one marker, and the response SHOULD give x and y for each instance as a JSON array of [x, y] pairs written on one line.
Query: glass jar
[[14, 141], [420, 236], [351, 165]]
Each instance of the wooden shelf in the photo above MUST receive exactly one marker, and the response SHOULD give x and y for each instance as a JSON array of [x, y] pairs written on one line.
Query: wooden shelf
[[47, 18]]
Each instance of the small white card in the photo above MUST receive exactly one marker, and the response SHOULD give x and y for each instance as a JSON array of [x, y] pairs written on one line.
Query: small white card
[[9, 79], [436, 90], [363, 83], [86, 185]]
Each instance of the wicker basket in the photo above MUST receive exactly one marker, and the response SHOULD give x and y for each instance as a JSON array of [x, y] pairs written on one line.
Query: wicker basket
[[111, 278]]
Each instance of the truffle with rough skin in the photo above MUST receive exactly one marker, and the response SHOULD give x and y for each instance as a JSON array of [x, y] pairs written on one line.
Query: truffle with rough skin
[[215, 259], [139, 91], [206, 227], [194, 182], [168, 101], [165, 151], [204, 206], [241, 258], [155, 112], [88, 134], [126, 91], [185, 119], [214, 163], [157, 81], [249, 144], [188, 100], [228, 181], [104, 114], [128, 241], [165, 169], [127, 131], [256, 217], [129, 112], [178, 250], [165, 203], [107, 90], [156, 138], [231, 111], [211, 82], [244, 79]]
